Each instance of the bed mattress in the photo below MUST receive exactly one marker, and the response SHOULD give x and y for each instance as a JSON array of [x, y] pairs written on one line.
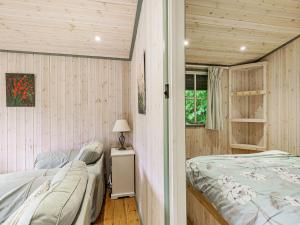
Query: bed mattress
[[261, 188]]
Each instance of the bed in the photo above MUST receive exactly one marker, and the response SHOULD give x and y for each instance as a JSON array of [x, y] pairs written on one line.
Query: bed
[[260, 188], [15, 189]]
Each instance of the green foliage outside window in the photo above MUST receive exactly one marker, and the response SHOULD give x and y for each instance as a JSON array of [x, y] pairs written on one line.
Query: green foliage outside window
[[195, 107]]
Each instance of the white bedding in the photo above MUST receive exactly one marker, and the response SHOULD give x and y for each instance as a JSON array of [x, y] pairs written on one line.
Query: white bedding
[[15, 188], [57, 201]]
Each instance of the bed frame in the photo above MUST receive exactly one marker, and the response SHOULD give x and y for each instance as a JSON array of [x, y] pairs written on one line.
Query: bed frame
[[200, 211]]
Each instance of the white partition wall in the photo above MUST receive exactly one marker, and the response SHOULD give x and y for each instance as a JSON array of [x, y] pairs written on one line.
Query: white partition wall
[[176, 62]]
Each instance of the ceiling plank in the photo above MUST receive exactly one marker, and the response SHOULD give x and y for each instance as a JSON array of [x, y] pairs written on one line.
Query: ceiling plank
[[216, 29], [68, 26]]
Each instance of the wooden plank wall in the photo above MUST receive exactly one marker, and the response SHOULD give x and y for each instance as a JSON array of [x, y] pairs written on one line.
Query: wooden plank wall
[[200, 141], [77, 100], [148, 129], [284, 98], [197, 213]]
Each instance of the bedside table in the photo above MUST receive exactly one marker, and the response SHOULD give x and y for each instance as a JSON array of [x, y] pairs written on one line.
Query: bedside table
[[122, 173]]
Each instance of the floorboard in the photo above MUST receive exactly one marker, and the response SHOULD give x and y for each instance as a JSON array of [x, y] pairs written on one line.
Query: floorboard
[[121, 211], [118, 212]]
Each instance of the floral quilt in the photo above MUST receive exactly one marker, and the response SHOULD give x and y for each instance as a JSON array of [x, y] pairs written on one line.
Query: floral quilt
[[255, 189]]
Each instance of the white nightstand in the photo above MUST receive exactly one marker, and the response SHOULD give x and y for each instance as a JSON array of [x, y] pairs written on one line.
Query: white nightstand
[[122, 173]]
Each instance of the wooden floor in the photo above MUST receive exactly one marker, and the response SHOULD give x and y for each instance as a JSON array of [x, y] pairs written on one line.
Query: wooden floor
[[118, 212]]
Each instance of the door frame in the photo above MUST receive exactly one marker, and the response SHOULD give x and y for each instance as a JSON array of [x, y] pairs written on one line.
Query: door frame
[[176, 79]]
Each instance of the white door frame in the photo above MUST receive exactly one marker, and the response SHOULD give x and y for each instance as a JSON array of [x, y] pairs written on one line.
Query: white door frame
[[176, 71]]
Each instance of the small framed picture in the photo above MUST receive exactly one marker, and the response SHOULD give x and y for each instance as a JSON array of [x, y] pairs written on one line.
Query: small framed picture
[[20, 90]]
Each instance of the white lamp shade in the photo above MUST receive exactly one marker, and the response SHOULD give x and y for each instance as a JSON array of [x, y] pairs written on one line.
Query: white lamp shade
[[121, 126]]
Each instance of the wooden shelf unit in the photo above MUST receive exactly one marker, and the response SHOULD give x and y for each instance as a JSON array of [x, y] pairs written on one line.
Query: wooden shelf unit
[[248, 147], [248, 93], [248, 106]]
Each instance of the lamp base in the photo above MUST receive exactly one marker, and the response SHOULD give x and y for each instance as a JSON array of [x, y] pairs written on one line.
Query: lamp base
[[122, 141]]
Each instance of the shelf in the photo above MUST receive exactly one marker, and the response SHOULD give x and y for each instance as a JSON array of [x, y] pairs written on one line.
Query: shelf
[[248, 101], [248, 147], [242, 120], [248, 93]]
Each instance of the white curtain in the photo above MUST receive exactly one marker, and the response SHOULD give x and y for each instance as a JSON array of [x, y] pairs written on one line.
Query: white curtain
[[214, 116]]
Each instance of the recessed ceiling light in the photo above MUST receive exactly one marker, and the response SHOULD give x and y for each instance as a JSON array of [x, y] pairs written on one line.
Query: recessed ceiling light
[[186, 43], [97, 38], [243, 48]]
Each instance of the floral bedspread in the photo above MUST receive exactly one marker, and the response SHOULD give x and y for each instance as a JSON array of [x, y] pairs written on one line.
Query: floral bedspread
[[255, 189]]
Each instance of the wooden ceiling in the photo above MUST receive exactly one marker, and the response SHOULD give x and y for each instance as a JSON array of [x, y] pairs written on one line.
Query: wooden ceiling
[[216, 29], [68, 26]]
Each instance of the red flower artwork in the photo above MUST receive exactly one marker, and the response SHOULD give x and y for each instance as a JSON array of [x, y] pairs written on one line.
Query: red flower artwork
[[20, 90]]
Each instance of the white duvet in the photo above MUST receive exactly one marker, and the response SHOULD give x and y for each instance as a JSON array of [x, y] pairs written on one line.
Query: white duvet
[[55, 202]]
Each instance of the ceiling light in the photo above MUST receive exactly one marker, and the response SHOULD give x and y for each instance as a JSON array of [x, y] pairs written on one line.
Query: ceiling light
[[97, 38], [186, 43], [243, 48]]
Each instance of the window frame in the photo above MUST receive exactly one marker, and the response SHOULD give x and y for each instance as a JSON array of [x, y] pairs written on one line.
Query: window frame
[[195, 73]]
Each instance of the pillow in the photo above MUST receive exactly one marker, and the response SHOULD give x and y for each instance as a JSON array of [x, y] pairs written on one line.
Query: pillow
[[91, 152], [50, 160]]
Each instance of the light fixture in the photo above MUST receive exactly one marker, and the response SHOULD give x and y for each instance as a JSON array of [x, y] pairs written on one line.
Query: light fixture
[[186, 43], [97, 38], [243, 48], [121, 126]]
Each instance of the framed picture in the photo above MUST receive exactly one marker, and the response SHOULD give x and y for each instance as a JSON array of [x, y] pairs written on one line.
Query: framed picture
[[142, 87], [20, 90]]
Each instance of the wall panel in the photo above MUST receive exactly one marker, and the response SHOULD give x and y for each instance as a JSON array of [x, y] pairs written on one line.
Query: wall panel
[[284, 98], [200, 141], [148, 129], [77, 100]]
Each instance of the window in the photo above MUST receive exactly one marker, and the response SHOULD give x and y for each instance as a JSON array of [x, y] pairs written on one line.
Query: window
[[195, 97]]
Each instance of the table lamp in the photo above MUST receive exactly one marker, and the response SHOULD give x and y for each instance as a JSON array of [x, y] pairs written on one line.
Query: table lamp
[[121, 126]]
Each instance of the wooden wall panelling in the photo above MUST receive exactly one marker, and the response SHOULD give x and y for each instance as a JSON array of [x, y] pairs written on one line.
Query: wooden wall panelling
[[3, 114], [111, 95], [12, 122], [53, 86], [148, 129], [84, 99], [37, 116], [284, 94], [197, 213], [29, 122], [74, 98], [69, 104], [20, 122], [61, 104], [200, 141], [45, 105], [105, 86], [77, 98]]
